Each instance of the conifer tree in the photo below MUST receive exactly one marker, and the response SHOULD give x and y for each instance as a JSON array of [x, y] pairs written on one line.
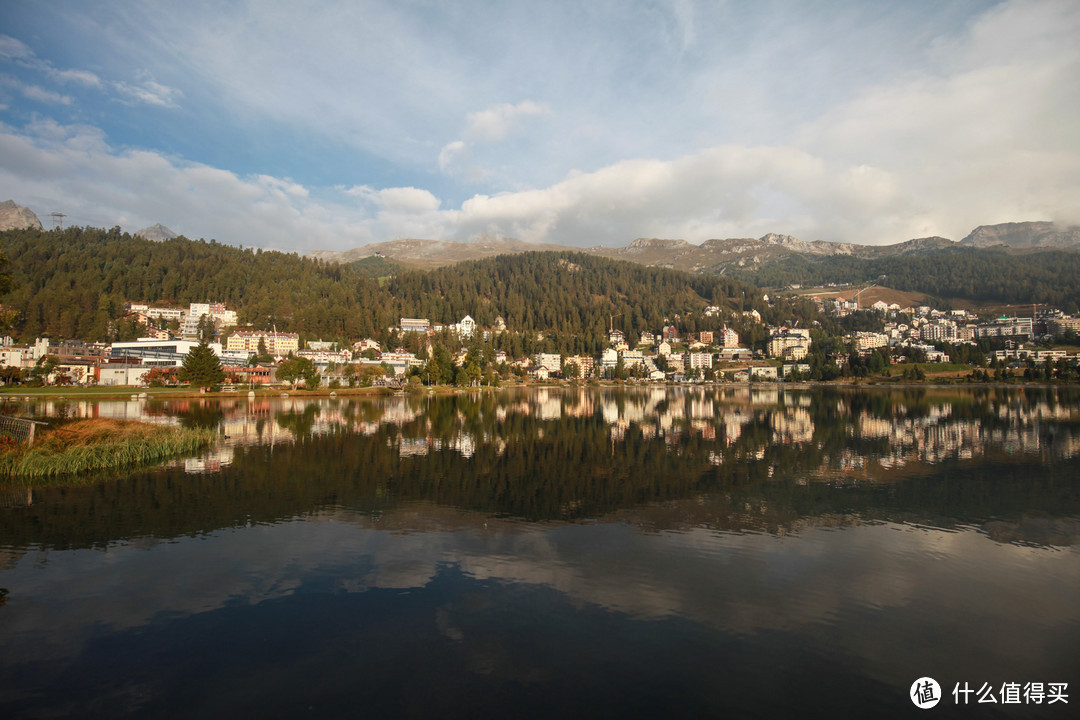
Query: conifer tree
[[202, 367]]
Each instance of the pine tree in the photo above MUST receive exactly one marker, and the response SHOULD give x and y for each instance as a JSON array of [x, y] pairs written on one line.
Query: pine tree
[[202, 367]]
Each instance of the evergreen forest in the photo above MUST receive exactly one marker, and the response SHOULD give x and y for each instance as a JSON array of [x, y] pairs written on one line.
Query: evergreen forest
[[76, 283], [1050, 277]]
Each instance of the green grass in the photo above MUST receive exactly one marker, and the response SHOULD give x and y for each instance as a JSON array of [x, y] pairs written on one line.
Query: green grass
[[88, 446], [944, 367]]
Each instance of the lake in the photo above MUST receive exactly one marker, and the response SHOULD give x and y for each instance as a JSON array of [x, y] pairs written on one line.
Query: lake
[[700, 552]]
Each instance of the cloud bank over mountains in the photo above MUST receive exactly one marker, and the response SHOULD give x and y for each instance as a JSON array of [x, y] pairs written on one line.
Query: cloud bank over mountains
[[306, 128]]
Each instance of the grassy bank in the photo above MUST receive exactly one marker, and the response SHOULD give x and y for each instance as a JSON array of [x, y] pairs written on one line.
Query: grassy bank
[[96, 445]]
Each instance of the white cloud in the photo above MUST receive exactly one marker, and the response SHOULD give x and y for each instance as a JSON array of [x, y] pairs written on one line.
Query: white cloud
[[450, 154], [80, 77], [149, 92], [990, 136], [72, 168], [399, 199], [284, 189], [768, 126], [12, 48], [495, 123], [146, 91], [725, 191], [42, 95], [408, 199], [486, 127]]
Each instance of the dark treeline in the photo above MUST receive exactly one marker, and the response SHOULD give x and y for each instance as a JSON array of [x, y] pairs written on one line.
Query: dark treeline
[[1050, 277], [75, 283]]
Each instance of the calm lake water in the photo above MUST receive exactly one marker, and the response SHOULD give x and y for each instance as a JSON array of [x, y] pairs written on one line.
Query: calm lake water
[[599, 553]]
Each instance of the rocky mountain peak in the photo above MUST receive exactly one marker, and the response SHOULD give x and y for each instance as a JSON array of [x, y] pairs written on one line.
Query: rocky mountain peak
[[656, 244], [774, 239], [156, 232], [1024, 235], [17, 217]]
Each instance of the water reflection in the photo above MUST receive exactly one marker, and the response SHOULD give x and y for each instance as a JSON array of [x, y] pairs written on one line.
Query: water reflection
[[888, 428], [728, 459], [720, 551]]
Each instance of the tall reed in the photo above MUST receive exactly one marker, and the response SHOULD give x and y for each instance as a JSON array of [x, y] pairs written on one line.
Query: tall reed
[[94, 445]]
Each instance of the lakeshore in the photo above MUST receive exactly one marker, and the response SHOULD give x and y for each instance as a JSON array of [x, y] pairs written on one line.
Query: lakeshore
[[943, 379], [94, 445]]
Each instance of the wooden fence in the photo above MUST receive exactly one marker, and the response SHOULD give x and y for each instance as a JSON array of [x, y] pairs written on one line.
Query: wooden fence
[[20, 429]]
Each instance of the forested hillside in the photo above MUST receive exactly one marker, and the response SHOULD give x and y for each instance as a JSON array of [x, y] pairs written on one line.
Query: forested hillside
[[76, 282], [71, 283], [1050, 277], [572, 297]]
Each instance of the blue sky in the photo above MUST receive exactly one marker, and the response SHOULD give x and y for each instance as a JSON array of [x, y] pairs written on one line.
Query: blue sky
[[304, 126]]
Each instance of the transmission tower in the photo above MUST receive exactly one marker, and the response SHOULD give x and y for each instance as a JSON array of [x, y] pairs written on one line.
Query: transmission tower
[[57, 220]]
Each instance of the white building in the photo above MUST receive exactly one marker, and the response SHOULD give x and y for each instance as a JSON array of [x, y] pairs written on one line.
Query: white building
[[400, 360], [938, 330], [789, 343], [1006, 327], [366, 344], [122, 374], [763, 372], [801, 368], [699, 360], [609, 359], [415, 325], [867, 341], [277, 344], [215, 311], [323, 358], [17, 356], [729, 338], [467, 327], [160, 313], [584, 365], [633, 358], [551, 361], [158, 353]]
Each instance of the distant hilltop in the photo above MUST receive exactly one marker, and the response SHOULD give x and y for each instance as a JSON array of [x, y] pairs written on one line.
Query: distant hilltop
[[419, 253], [156, 232], [716, 255], [1024, 236], [16, 217]]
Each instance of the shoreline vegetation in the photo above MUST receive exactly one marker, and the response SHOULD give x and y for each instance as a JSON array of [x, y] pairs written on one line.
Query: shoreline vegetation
[[932, 377], [87, 446]]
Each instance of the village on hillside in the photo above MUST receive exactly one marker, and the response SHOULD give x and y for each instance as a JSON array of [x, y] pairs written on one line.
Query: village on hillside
[[254, 357]]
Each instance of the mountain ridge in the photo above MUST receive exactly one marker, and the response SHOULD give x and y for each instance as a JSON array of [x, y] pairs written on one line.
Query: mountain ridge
[[1024, 235], [716, 254]]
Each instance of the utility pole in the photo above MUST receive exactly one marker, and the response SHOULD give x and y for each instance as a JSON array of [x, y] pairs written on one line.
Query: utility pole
[[58, 220]]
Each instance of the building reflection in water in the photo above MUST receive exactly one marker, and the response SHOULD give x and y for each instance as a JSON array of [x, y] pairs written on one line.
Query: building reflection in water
[[868, 433]]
